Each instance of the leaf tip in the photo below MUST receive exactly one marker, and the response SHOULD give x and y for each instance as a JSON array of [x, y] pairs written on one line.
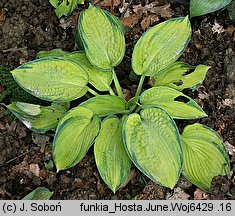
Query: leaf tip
[[12, 72], [206, 67], [4, 105], [90, 5], [204, 114], [170, 184], [58, 169], [114, 189], [187, 21]]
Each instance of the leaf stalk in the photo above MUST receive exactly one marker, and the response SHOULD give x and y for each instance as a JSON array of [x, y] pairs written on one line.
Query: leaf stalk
[[117, 84], [141, 82], [92, 91]]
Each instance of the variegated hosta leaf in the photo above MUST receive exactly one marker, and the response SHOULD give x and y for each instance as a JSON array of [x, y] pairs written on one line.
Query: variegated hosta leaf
[[115, 19], [75, 134], [46, 119], [205, 155], [79, 41], [52, 79], [201, 7], [51, 53], [101, 80], [132, 103], [102, 37], [29, 109], [110, 155], [177, 104], [40, 193], [112, 17], [161, 46], [176, 76], [153, 143], [104, 105]]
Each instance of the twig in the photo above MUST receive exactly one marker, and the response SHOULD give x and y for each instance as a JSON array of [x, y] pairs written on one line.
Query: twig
[[112, 7], [127, 7], [15, 158], [14, 49]]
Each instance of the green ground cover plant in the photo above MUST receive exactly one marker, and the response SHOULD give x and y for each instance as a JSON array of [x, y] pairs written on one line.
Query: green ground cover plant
[[65, 7]]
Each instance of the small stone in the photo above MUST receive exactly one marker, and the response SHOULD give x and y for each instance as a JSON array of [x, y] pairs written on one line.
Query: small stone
[[51, 179], [178, 194], [184, 183], [64, 179], [92, 196], [79, 183]]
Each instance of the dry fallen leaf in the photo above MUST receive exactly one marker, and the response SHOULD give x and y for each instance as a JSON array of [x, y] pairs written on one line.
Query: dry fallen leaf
[[203, 96], [199, 46], [65, 23], [200, 195], [130, 177], [123, 8], [164, 11], [139, 9], [152, 191], [24, 167], [151, 13], [34, 168], [94, 2], [19, 168], [228, 102], [231, 148], [2, 17], [148, 21], [230, 30], [131, 21], [108, 3], [217, 28], [178, 194]]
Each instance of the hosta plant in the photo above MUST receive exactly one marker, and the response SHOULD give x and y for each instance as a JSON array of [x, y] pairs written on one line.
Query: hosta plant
[[201, 7], [142, 130], [40, 193]]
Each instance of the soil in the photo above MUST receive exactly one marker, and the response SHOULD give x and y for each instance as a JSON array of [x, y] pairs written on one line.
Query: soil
[[29, 26]]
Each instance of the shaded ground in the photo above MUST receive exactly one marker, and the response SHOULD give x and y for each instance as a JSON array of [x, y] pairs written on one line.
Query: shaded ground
[[28, 26]]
